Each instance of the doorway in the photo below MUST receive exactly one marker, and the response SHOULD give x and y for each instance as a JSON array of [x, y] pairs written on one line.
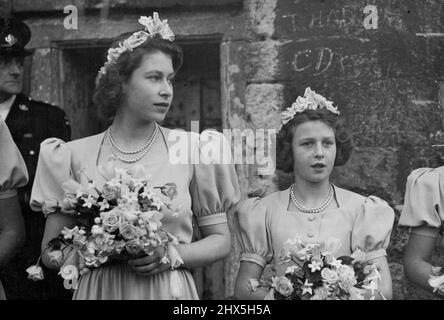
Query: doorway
[[196, 88]]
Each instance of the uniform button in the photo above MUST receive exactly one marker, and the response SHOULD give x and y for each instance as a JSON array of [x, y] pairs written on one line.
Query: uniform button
[[310, 235], [32, 152], [311, 218]]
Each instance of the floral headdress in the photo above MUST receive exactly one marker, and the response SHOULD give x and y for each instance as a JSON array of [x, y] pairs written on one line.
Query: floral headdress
[[310, 101], [153, 26]]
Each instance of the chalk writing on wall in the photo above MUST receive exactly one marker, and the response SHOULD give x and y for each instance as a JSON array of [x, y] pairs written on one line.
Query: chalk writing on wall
[[318, 60], [337, 18]]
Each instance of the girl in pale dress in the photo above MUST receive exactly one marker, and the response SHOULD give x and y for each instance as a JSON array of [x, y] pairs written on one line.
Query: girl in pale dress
[[423, 213], [135, 89], [13, 174], [312, 141]]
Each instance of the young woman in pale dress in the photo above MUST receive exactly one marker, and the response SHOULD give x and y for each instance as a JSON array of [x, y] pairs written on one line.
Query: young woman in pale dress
[[312, 141], [423, 213], [13, 175], [136, 90]]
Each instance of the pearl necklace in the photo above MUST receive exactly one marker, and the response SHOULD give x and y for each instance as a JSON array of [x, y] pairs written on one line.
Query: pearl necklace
[[312, 210], [144, 149]]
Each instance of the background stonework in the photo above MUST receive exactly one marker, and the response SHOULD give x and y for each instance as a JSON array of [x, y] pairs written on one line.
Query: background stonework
[[388, 82]]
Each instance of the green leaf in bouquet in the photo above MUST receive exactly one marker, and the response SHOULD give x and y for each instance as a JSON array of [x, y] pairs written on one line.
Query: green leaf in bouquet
[[359, 271], [169, 190], [315, 278], [56, 243], [145, 203], [81, 209], [295, 277], [296, 295], [346, 260], [306, 269]]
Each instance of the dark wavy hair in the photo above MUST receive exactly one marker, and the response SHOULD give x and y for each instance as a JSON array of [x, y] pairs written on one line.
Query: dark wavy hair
[[108, 94], [344, 144]]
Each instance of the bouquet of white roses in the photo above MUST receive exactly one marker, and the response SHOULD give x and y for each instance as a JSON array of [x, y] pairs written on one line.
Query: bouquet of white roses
[[122, 219], [314, 273]]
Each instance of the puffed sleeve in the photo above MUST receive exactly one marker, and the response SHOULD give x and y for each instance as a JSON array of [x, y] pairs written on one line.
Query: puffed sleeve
[[214, 187], [13, 173], [372, 227], [423, 204], [254, 234], [53, 169]]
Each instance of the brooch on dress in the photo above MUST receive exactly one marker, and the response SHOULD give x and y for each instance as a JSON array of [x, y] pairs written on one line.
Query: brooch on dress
[[11, 40], [23, 107]]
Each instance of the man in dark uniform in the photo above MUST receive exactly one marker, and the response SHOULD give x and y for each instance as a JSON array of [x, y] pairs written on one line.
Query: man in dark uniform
[[30, 122]]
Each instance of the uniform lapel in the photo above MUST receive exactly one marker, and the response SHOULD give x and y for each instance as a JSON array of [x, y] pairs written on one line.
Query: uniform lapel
[[19, 116]]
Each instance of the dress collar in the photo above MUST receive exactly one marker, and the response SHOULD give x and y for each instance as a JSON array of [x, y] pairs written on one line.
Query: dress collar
[[339, 194]]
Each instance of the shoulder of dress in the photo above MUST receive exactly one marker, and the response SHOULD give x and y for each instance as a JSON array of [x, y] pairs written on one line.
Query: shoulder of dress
[[348, 198], [274, 196], [271, 201], [425, 176], [245, 208], [359, 204], [83, 143]]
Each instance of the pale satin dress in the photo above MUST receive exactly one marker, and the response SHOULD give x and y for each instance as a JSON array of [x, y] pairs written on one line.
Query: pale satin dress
[[13, 173], [205, 193], [424, 201], [359, 223]]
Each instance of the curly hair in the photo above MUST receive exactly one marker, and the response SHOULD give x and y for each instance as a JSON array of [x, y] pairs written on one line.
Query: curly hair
[[109, 90], [344, 144]]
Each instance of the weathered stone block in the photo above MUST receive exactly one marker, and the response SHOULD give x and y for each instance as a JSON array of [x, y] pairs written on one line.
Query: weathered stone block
[[262, 15], [263, 61], [40, 74], [233, 59], [428, 16], [263, 103], [370, 171]]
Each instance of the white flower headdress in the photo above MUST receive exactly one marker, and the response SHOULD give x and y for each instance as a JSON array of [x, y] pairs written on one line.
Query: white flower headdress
[[153, 26], [310, 101]]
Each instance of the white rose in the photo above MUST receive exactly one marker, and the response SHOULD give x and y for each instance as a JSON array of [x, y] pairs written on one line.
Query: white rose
[[96, 230], [128, 231], [111, 219], [130, 217], [56, 256], [35, 273], [329, 275], [69, 272], [283, 285]]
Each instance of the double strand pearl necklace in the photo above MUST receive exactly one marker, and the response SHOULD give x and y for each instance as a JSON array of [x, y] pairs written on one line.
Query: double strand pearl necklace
[[321, 208], [143, 150]]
